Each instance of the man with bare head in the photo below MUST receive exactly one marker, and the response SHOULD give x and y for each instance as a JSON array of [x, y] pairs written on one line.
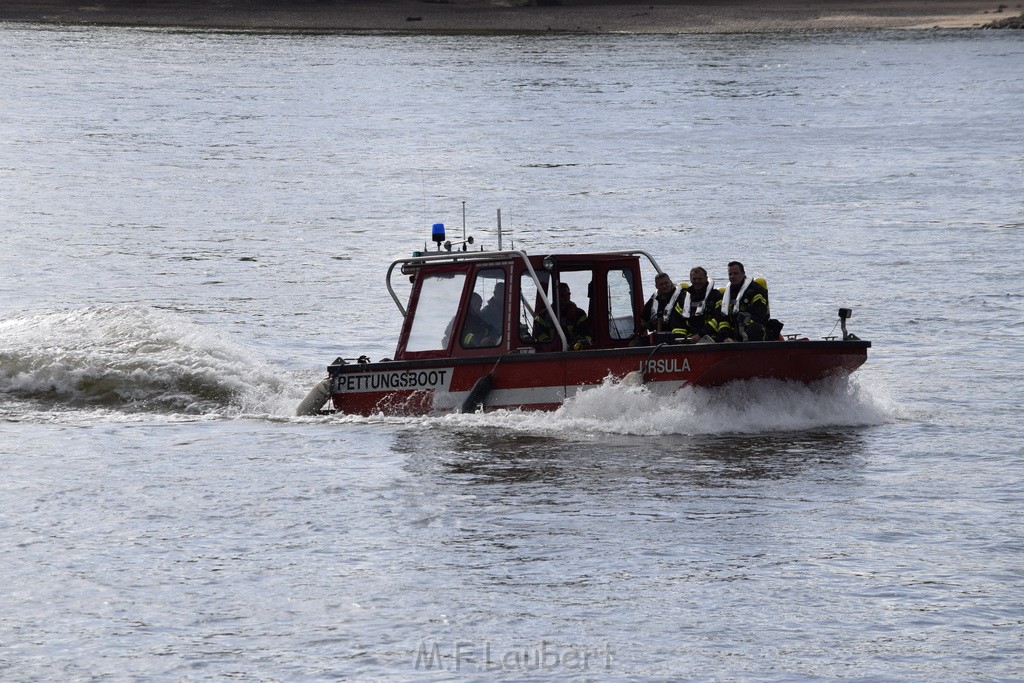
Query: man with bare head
[[659, 314], [744, 308], [698, 309]]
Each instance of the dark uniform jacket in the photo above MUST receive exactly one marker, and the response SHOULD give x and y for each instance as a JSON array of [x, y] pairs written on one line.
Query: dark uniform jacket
[[746, 317], [700, 316], [475, 332], [574, 322], [666, 312]]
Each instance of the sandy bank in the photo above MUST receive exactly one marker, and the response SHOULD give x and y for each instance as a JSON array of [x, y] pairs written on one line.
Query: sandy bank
[[515, 16]]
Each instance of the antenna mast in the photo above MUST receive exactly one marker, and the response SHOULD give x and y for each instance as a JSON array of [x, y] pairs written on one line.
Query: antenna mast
[[499, 229]]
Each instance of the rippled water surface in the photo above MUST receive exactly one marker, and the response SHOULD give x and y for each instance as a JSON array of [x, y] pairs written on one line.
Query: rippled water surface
[[195, 224]]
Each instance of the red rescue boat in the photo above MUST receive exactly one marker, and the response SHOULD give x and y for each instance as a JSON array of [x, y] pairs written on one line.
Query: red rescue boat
[[446, 360]]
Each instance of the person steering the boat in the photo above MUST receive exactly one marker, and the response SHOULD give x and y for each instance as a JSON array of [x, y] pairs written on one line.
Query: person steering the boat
[[475, 331], [494, 309], [574, 322], [659, 314], [697, 311], [744, 313]]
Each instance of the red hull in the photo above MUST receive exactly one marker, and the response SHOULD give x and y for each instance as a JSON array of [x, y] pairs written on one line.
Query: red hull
[[542, 381]]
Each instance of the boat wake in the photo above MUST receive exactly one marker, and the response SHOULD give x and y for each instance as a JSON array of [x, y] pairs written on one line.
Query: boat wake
[[135, 359], [742, 407]]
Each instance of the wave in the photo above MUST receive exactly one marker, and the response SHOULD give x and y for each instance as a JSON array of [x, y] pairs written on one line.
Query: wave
[[752, 406], [134, 358]]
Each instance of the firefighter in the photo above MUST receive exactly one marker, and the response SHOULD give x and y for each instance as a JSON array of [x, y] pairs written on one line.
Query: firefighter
[[744, 312], [659, 314], [493, 311], [697, 311], [573, 320], [476, 332]]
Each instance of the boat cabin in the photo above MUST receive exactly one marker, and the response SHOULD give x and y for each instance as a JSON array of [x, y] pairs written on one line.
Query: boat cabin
[[471, 304]]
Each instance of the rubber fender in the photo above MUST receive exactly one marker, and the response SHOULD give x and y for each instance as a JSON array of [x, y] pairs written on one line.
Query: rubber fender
[[315, 399], [478, 394]]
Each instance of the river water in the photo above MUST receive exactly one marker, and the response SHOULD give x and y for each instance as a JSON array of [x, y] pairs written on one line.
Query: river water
[[195, 224]]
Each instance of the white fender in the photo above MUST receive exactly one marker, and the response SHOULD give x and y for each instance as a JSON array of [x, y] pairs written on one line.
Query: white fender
[[315, 399], [633, 379]]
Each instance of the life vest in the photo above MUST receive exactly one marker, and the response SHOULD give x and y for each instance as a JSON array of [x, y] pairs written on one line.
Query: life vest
[[663, 313], [703, 302], [732, 307]]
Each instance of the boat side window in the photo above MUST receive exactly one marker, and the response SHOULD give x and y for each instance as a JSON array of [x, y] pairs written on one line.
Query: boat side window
[[435, 311], [580, 285], [620, 303], [484, 326], [531, 304]]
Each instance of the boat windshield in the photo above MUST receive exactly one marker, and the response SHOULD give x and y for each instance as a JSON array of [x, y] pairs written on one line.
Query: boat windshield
[[490, 287], [438, 305]]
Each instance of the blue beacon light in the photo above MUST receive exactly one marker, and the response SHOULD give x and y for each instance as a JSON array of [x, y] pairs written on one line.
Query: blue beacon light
[[437, 234]]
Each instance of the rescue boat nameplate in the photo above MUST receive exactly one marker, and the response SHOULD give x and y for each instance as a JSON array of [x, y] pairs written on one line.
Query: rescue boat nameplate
[[413, 380]]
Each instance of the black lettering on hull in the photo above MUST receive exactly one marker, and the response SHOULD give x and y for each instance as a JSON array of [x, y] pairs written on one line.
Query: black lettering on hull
[[403, 380]]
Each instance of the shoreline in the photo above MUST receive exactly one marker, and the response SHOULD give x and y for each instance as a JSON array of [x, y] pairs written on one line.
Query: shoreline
[[518, 16]]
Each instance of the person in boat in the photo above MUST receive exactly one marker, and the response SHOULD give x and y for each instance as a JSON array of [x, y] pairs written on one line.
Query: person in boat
[[475, 330], [743, 315], [697, 311], [659, 314], [574, 322], [492, 311]]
